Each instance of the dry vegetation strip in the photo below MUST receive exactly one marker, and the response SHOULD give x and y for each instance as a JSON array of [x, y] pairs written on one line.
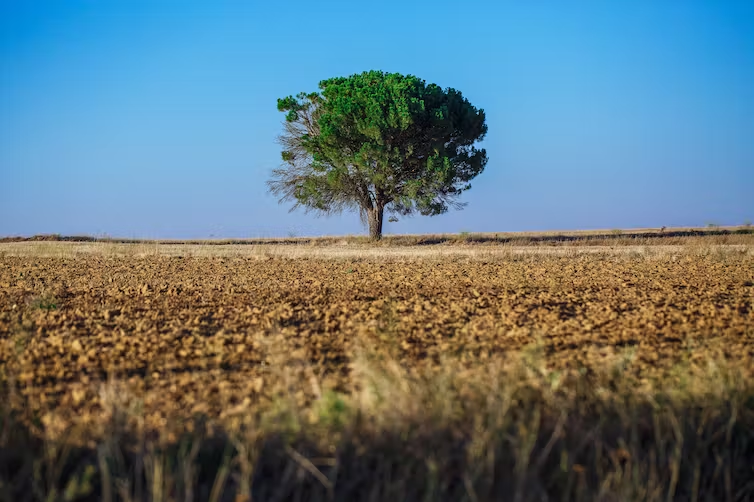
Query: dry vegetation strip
[[624, 375], [616, 237], [349, 251]]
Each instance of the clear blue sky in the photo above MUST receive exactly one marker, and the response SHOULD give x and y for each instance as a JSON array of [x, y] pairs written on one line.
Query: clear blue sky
[[158, 118]]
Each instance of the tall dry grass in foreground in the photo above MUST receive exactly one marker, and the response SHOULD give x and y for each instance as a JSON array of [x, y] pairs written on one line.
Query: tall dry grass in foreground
[[507, 429]]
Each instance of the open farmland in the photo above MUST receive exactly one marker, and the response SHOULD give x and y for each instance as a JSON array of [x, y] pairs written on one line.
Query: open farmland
[[456, 350]]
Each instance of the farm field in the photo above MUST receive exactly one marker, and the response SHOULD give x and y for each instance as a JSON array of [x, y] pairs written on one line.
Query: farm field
[[609, 371]]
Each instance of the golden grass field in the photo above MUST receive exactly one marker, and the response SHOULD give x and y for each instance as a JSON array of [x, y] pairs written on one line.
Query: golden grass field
[[611, 367]]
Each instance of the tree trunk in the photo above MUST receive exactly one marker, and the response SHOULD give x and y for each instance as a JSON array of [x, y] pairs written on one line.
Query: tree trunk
[[375, 221]]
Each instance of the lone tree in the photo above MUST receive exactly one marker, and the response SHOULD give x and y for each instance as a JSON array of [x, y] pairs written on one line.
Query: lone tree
[[378, 142]]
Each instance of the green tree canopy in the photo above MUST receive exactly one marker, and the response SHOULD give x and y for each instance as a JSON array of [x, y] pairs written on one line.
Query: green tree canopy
[[377, 142]]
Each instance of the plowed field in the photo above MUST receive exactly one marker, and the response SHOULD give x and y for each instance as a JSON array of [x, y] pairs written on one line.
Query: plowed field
[[210, 335]]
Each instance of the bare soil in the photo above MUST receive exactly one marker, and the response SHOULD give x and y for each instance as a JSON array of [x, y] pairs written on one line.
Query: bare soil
[[209, 335]]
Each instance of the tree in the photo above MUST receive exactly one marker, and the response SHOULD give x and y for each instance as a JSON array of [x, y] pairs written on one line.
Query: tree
[[377, 142]]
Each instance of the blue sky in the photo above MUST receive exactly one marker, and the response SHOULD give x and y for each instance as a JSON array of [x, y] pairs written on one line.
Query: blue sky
[[158, 118]]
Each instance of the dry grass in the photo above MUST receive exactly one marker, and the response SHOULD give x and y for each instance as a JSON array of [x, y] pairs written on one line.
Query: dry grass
[[482, 246], [352, 251], [506, 430], [615, 237]]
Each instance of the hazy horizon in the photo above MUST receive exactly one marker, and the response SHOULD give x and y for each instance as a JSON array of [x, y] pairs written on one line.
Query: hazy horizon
[[158, 119]]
